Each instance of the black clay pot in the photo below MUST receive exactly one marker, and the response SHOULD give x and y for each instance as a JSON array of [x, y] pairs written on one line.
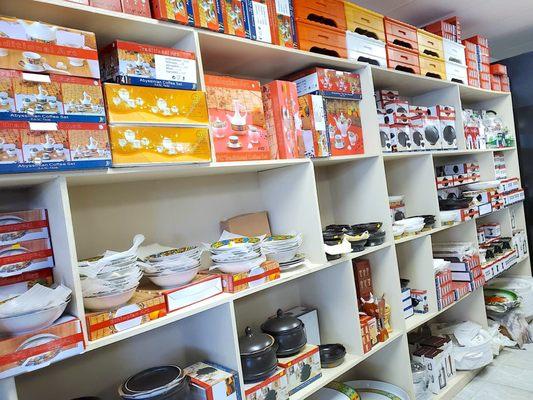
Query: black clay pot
[[258, 355], [371, 227], [288, 331], [331, 355]]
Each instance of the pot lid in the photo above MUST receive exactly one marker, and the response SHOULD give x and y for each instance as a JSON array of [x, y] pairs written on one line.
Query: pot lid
[[281, 323], [151, 379], [254, 342]]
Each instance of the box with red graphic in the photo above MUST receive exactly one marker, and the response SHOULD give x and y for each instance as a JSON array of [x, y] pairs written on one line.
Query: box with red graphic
[[208, 14], [315, 138], [237, 119], [233, 12], [327, 82], [283, 122], [25, 256], [233, 283], [282, 23], [344, 126], [20, 226], [181, 11], [137, 7]]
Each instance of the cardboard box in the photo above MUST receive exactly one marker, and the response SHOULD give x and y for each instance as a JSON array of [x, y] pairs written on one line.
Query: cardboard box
[[386, 139], [386, 95], [275, 386], [111, 5], [309, 316], [210, 381], [448, 130], [327, 82], [431, 128], [282, 116], [364, 320], [18, 284], [133, 145], [35, 147], [208, 14], [50, 98], [233, 283], [363, 279], [403, 137], [21, 226], [31, 351], [25, 256], [282, 25], [175, 11], [149, 105], [137, 7], [305, 363], [251, 224], [237, 119], [257, 21], [142, 308], [344, 127], [145, 65], [201, 288], [234, 16], [315, 137], [41, 47], [419, 299]]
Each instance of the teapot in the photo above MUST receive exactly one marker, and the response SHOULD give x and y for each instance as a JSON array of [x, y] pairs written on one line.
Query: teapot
[[42, 96], [93, 144], [86, 99], [39, 32], [238, 120], [49, 142], [343, 124]]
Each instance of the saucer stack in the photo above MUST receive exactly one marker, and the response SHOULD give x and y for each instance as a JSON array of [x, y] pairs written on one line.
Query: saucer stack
[[237, 255], [110, 281], [284, 250], [176, 267]]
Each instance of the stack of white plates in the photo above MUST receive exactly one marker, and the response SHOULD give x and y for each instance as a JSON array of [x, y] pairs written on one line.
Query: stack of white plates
[[111, 280], [411, 225], [176, 267], [237, 255], [284, 250]]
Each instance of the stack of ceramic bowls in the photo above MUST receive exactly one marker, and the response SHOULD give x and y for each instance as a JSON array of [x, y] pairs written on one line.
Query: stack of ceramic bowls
[[411, 225], [111, 280], [176, 267], [158, 383], [238, 255], [283, 249]]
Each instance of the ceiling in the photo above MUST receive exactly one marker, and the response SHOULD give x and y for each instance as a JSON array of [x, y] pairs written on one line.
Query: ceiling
[[508, 24]]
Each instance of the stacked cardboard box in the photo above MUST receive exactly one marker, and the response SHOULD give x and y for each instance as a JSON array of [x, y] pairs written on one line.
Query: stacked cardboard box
[[499, 78], [477, 53]]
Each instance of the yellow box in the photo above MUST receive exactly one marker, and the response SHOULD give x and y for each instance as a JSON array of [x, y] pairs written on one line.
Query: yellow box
[[364, 21], [142, 105], [148, 145], [433, 67], [430, 44]]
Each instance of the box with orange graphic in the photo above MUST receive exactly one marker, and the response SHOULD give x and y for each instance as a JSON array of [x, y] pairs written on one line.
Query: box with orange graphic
[[181, 11], [237, 119], [315, 139], [39, 47], [208, 14], [282, 23], [149, 145], [234, 17], [344, 126], [147, 105]]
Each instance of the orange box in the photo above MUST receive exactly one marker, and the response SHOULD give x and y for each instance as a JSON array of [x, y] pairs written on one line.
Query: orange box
[[479, 40], [233, 14], [208, 14], [498, 69], [152, 145], [282, 115], [363, 21], [47, 48], [322, 39], [401, 34], [282, 25], [151, 105], [30, 351], [233, 283], [237, 119], [142, 308], [402, 59], [137, 7], [331, 12], [344, 126], [495, 83], [181, 11], [111, 5], [315, 138]]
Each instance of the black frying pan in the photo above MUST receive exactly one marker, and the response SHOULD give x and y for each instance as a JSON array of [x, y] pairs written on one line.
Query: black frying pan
[[432, 134], [449, 134]]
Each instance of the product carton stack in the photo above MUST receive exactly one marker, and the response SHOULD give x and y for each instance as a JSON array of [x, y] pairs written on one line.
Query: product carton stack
[[402, 46], [449, 29], [147, 86], [477, 53], [53, 115], [499, 78], [135, 7]]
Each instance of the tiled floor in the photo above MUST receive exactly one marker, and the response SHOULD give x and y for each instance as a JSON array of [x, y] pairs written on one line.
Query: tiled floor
[[509, 377]]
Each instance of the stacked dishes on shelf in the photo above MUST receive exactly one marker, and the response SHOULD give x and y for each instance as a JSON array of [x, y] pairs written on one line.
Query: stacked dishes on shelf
[[35, 309], [284, 250], [110, 281], [358, 236], [176, 267], [411, 226], [237, 255]]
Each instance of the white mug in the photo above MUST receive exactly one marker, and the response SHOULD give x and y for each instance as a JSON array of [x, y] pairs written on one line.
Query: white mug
[[339, 142], [167, 143], [11, 152], [129, 135]]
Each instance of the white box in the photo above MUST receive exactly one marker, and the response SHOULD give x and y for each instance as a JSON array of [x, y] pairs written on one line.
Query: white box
[[418, 143], [308, 359], [220, 384], [309, 316], [366, 49], [454, 52], [456, 72], [275, 386], [398, 107]]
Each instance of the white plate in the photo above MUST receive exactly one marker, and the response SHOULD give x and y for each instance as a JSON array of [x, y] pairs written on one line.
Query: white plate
[[328, 394], [375, 390], [290, 267], [483, 185]]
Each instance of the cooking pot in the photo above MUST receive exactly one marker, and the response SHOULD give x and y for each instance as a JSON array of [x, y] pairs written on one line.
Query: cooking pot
[[258, 355], [288, 332], [431, 133], [376, 239], [454, 204], [371, 227], [331, 355]]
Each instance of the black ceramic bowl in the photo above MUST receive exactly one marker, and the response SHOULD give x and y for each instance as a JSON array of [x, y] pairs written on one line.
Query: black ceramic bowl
[[331, 355], [371, 227], [358, 245], [167, 381], [376, 239]]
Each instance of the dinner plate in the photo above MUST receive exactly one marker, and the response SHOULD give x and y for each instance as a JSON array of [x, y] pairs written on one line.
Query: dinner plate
[[483, 185], [296, 259], [375, 390]]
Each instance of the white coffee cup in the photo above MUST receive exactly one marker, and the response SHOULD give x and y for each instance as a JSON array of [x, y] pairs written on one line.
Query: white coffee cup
[[129, 135], [167, 143], [339, 142], [137, 144], [3, 52], [76, 62], [11, 152]]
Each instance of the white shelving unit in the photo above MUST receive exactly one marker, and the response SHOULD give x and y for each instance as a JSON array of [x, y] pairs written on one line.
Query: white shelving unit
[[91, 211]]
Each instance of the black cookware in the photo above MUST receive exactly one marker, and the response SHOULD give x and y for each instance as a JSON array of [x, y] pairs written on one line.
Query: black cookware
[[449, 134], [385, 142], [258, 355], [418, 139], [376, 239], [431, 133], [158, 383], [371, 227], [332, 238], [403, 139], [331, 355], [454, 203], [288, 332]]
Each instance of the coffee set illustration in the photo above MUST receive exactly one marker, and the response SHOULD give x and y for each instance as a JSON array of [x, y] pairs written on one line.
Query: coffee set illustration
[[208, 7], [39, 103], [140, 67], [239, 128], [341, 131], [236, 17], [131, 141], [161, 106], [9, 152], [331, 81]]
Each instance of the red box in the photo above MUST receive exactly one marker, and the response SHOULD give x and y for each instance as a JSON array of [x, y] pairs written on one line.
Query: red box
[[25, 256], [137, 7], [111, 5], [485, 85], [282, 24], [236, 119], [20, 226], [363, 279], [208, 15], [473, 64], [402, 59], [498, 69], [366, 337], [315, 139], [233, 12], [495, 83], [484, 68], [282, 116], [330, 13], [400, 34], [327, 82], [506, 84], [344, 126], [167, 10], [323, 39], [233, 283], [479, 40]]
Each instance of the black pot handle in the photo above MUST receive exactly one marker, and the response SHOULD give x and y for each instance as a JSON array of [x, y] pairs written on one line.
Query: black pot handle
[[248, 331], [279, 313]]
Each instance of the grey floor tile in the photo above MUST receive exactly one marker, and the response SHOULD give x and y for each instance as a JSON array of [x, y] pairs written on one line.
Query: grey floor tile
[[480, 389]]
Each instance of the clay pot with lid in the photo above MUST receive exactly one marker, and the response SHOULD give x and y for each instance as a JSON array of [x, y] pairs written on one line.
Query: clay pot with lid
[[288, 331], [258, 355]]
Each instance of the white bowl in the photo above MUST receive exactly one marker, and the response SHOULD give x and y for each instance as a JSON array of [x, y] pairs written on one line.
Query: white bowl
[[239, 267], [415, 221], [99, 303], [179, 278], [398, 230], [31, 321], [414, 228], [283, 256], [447, 216]]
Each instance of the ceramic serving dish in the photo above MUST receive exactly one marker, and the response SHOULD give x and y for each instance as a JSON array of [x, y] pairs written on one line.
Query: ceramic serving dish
[[178, 278], [106, 302], [31, 321]]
